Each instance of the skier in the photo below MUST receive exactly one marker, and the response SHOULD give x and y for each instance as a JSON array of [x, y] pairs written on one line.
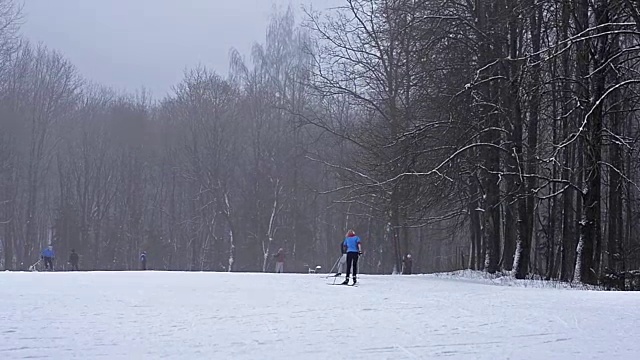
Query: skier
[[143, 260], [354, 250], [343, 259], [48, 255], [406, 264], [279, 260], [73, 260]]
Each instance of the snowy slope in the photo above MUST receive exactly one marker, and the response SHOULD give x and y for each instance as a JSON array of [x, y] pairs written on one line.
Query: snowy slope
[[151, 315]]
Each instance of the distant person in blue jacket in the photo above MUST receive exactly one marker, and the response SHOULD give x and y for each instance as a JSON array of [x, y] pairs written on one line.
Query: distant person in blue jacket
[[354, 249], [47, 256]]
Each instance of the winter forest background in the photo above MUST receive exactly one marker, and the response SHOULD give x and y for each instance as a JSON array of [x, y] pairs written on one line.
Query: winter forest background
[[484, 134]]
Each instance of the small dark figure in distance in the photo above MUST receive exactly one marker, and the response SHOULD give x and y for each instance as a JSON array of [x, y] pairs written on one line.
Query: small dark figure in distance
[[73, 260], [143, 260], [354, 250], [47, 256], [279, 260], [406, 265]]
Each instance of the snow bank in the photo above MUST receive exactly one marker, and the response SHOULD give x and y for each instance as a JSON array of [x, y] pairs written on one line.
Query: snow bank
[[507, 279]]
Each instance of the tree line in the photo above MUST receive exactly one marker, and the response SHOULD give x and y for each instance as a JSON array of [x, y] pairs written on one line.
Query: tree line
[[497, 135]]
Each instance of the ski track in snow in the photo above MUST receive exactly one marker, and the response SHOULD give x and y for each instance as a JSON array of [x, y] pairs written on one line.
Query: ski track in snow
[[176, 315]]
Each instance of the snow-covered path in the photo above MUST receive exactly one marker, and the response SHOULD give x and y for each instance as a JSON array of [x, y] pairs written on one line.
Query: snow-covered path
[[174, 315]]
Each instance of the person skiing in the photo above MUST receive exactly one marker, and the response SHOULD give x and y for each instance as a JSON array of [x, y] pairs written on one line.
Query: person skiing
[[47, 256], [407, 264], [354, 250], [343, 259], [143, 260], [279, 260], [73, 260]]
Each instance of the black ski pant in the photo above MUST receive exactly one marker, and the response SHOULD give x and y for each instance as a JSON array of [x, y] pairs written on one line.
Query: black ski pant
[[352, 258], [48, 263], [74, 267]]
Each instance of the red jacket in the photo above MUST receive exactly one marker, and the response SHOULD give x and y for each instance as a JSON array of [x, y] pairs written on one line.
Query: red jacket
[[279, 256]]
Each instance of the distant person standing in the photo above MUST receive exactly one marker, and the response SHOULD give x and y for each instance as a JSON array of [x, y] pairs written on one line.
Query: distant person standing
[[143, 260], [280, 257], [74, 259], [48, 255], [407, 264], [343, 259], [354, 250]]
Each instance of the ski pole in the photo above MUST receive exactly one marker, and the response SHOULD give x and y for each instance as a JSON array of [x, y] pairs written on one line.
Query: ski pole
[[335, 264]]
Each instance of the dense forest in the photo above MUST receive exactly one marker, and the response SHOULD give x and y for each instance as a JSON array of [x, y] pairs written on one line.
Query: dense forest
[[497, 135]]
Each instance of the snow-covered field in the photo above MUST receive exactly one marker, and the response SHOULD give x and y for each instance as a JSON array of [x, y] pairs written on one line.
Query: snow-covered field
[[174, 315]]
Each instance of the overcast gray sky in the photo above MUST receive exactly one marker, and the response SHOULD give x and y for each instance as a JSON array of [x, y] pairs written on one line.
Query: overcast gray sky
[[128, 44]]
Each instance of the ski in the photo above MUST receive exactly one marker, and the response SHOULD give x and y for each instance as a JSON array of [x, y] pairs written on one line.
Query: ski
[[341, 284]]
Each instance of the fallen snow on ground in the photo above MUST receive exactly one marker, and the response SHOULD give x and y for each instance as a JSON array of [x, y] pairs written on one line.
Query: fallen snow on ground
[[174, 315]]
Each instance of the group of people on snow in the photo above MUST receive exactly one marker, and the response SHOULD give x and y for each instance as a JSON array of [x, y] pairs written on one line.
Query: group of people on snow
[[48, 256], [351, 250], [350, 247]]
